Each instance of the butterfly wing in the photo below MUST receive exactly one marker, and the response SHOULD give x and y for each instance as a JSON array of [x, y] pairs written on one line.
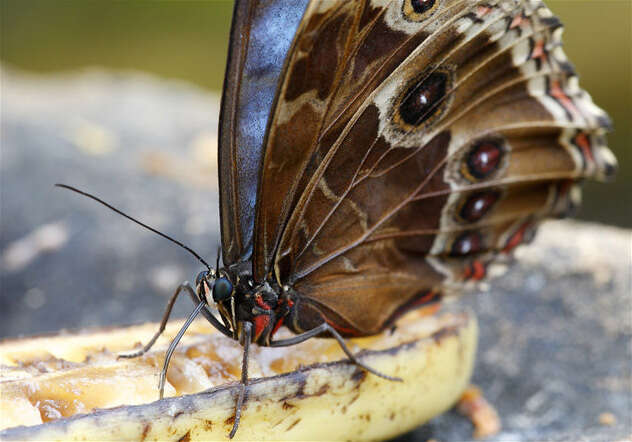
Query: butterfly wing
[[261, 34], [412, 144]]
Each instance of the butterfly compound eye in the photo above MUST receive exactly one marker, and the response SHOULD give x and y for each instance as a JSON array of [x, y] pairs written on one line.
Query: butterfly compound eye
[[222, 289]]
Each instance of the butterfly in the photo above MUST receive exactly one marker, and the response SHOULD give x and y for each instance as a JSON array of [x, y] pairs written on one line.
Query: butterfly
[[384, 155]]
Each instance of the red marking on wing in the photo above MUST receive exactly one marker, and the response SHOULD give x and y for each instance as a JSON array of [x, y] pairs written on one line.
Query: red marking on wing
[[558, 93], [347, 331], [583, 142], [475, 271], [518, 22], [426, 299], [517, 238], [538, 50], [483, 10]]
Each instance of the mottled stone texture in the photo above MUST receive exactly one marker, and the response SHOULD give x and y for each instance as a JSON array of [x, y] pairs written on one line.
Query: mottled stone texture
[[555, 348]]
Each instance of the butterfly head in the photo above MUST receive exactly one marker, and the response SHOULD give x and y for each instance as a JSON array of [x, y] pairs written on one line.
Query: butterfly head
[[218, 287], [239, 299], [217, 284]]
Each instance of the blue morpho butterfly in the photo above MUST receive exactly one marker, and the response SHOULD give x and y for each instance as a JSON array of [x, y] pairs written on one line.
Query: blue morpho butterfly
[[378, 155]]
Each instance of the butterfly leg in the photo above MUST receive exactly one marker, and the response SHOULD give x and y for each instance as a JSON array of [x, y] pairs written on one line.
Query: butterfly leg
[[172, 347], [165, 317], [326, 328], [247, 336], [185, 286]]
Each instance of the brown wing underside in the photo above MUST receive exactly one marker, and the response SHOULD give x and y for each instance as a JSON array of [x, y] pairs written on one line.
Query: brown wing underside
[[414, 143], [261, 33]]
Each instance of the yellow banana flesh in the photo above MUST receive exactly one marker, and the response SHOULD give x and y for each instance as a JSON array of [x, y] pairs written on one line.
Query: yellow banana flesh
[[64, 387]]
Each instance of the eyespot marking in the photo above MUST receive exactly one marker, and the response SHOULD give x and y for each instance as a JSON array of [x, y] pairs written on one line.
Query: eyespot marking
[[483, 160], [419, 10], [467, 243], [522, 235], [477, 205], [423, 100]]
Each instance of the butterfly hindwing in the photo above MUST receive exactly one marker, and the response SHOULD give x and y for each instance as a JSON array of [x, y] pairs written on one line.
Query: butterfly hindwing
[[411, 145]]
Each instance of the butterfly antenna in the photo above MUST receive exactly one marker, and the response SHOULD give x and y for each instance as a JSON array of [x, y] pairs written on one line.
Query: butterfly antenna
[[109, 206]]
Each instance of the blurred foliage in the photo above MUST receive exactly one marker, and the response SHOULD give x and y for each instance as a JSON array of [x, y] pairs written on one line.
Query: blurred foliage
[[188, 39], [176, 39]]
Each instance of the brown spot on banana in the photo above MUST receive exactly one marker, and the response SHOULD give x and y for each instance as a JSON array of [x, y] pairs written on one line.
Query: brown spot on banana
[[315, 383]]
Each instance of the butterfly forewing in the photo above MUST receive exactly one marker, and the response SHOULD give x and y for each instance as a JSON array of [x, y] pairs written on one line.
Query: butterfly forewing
[[261, 34], [343, 51], [413, 142]]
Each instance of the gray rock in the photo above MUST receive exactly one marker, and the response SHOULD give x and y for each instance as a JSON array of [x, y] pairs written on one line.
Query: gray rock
[[555, 347]]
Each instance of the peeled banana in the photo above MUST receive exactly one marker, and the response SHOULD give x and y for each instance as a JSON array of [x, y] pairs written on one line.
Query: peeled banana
[[73, 387]]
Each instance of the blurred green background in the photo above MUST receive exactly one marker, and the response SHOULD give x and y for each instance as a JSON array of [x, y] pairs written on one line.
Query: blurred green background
[[188, 40]]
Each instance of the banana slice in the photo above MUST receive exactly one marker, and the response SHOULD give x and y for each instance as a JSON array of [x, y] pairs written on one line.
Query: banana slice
[[72, 387]]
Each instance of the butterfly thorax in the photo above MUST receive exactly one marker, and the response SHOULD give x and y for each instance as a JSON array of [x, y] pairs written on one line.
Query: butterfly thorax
[[240, 299]]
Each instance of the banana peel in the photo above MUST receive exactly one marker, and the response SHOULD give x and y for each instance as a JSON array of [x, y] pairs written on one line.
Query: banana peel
[[73, 387]]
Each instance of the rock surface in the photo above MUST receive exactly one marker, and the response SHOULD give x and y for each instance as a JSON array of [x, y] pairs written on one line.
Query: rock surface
[[555, 354]]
